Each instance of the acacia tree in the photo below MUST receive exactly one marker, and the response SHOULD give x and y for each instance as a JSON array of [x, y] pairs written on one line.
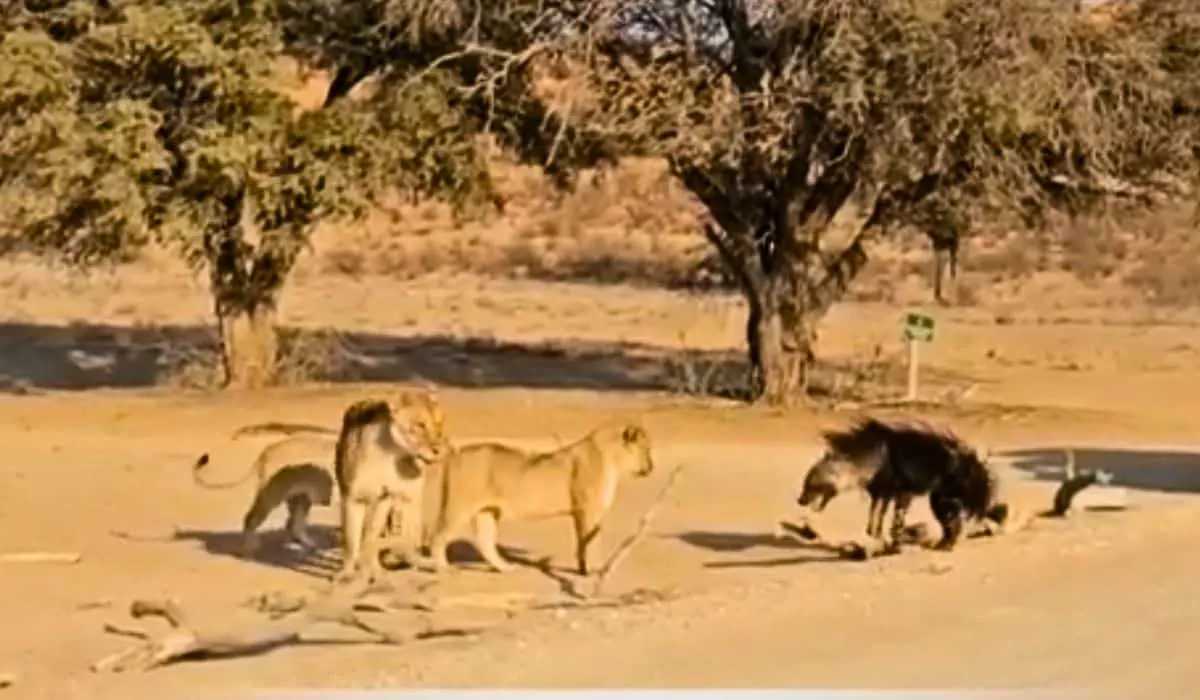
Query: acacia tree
[[783, 117], [789, 119], [129, 123]]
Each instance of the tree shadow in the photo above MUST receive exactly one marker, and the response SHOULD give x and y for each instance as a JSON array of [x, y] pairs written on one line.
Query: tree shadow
[[80, 356], [1167, 471], [89, 356]]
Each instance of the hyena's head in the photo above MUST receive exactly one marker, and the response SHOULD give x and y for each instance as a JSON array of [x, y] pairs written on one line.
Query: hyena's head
[[830, 475]]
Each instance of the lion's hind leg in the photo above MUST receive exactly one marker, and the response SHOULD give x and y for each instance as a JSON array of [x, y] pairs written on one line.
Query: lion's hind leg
[[260, 508], [299, 505], [450, 524], [486, 532]]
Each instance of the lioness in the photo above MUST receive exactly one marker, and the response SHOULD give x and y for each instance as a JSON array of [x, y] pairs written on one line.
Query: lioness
[[288, 471], [300, 486], [489, 482], [380, 468]]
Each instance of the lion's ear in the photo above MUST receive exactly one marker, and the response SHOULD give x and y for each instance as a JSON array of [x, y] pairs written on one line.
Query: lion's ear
[[633, 433], [416, 397]]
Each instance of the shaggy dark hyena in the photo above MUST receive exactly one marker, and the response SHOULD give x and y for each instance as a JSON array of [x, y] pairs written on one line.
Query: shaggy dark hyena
[[897, 462]]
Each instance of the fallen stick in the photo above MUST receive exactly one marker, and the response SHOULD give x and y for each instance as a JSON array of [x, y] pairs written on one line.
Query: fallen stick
[[622, 550], [185, 642], [40, 558], [574, 597], [7, 679], [847, 550]]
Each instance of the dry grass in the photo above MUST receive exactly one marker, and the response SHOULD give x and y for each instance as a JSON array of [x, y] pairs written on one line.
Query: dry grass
[[563, 286], [635, 226], [305, 356]]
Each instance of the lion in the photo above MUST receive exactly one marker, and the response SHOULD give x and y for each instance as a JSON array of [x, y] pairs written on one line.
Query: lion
[[488, 482], [298, 470], [380, 467], [300, 486]]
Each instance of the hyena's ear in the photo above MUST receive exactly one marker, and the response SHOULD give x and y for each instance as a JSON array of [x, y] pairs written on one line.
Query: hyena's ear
[[632, 434]]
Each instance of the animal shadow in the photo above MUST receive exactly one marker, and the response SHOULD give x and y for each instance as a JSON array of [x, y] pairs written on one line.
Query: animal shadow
[[322, 561], [725, 542], [273, 550], [715, 541], [463, 552]]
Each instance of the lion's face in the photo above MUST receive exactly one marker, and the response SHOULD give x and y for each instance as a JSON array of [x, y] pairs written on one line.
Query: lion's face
[[636, 443], [419, 417]]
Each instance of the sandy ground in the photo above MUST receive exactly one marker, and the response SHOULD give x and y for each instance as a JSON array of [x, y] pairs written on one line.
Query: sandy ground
[[1065, 603], [1100, 600]]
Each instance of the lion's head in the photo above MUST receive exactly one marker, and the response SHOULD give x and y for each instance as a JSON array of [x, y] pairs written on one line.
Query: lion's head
[[635, 450], [419, 418]]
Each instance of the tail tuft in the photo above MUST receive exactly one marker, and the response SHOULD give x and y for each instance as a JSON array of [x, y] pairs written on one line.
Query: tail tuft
[[203, 461]]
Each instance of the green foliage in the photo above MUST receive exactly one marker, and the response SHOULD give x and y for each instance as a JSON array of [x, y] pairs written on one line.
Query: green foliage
[[779, 116], [166, 122]]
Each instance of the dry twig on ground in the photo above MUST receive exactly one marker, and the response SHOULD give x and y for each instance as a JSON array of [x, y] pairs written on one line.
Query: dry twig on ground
[[40, 558], [579, 598], [291, 616]]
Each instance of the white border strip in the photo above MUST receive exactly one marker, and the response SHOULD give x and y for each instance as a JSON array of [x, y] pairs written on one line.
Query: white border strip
[[704, 694]]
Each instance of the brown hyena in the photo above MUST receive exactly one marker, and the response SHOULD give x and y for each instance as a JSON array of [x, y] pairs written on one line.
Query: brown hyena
[[897, 462]]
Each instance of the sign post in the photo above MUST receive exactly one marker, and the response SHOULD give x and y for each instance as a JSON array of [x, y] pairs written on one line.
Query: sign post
[[918, 328]]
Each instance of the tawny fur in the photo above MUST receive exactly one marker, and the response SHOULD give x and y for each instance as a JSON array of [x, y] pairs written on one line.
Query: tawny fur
[[276, 481], [299, 470], [299, 449], [380, 464], [300, 486], [486, 483]]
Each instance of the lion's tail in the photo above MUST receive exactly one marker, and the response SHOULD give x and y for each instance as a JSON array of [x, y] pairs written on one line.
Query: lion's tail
[[198, 474], [284, 428]]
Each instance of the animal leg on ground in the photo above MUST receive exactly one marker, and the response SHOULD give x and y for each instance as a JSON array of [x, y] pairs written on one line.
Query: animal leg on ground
[[376, 519], [406, 520], [949, 514], [299, 506], [353, 519], [876, 514], [899, 516], [486, 533], [447, 530], [587, 528], [256, 514]]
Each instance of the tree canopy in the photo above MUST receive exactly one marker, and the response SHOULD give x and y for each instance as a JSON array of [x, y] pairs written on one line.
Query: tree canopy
[[129, 122], [784, 117], [807, 128]]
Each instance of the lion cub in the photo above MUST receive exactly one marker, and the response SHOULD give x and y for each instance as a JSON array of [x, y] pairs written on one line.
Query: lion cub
[[380, 465], [486, 483]]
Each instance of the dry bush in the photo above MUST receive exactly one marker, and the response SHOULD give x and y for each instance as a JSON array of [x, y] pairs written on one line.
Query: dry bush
[[191, 366], [705, 374], [312, 356], [631, 224], [304, 356]]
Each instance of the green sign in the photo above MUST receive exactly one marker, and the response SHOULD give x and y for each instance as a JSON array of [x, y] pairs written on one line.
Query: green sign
[[918, 327]]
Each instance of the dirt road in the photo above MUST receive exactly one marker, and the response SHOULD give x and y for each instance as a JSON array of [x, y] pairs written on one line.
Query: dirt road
[[1103, 599]]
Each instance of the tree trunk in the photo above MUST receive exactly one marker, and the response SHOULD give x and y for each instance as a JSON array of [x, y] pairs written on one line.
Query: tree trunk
[[780, 341], [248, 344], [945, 267]]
